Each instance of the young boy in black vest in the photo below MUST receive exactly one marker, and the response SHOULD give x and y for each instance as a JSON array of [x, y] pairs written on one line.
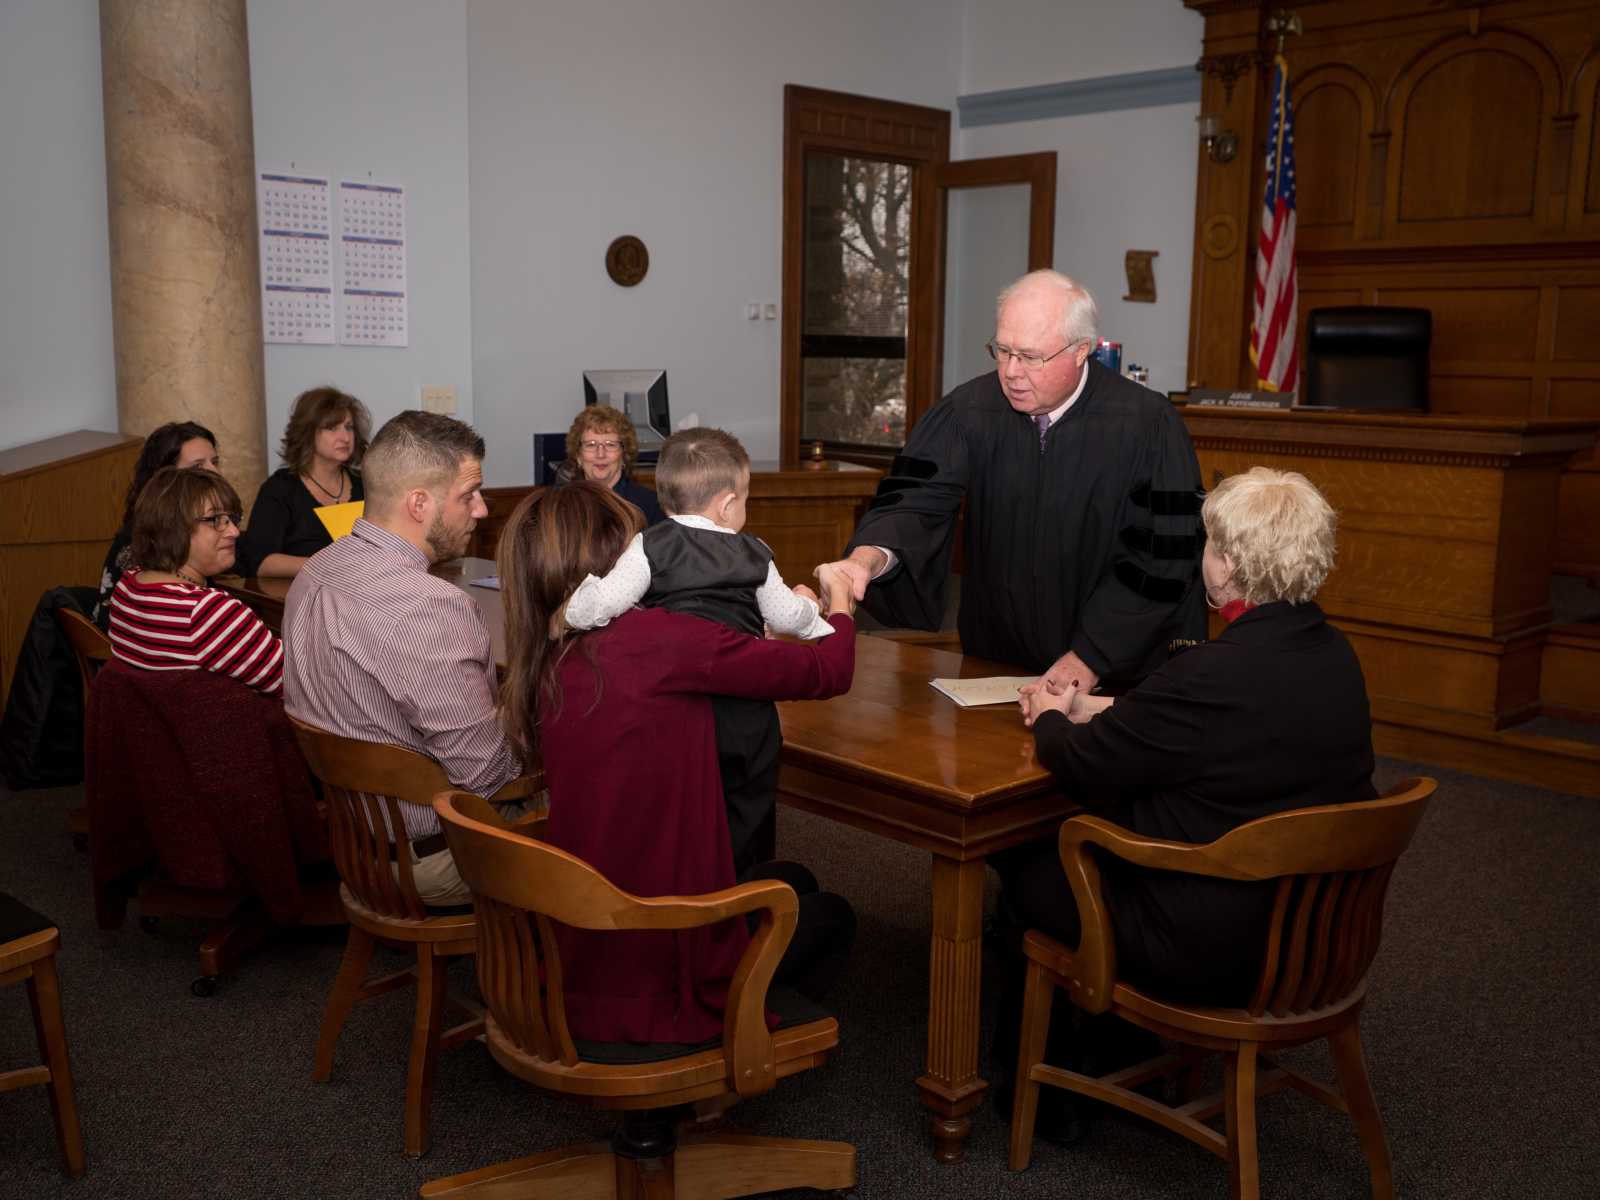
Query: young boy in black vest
[[701, 562]]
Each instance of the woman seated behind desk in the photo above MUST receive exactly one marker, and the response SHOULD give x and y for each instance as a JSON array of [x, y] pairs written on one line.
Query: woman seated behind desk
[[175, 444], [603, 447], [1271, 715], [622, 718], [323, 445], [164, 617]]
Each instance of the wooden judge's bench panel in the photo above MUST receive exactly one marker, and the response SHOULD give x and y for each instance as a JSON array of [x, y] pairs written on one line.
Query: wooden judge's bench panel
[[60, 503], [1446, 541], [1448, 158], [806, 516]]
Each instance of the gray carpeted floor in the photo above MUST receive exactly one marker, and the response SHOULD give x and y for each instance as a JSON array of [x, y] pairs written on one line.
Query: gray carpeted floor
[[1480, 1035]]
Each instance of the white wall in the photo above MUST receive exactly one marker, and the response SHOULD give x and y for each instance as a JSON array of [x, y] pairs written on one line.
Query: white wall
[[1125, 180], [375, 87], [595, 118], [1025, 43], [57, 368]]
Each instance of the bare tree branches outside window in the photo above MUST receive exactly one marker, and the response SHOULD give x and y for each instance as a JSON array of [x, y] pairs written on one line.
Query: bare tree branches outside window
[[853, 333]]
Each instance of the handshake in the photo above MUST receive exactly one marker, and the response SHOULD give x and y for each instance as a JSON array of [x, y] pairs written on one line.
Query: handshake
[[837, 591]]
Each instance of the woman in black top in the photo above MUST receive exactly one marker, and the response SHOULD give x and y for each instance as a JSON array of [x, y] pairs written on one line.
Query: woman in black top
[[322, 447], [1269, 716], [176, 444]]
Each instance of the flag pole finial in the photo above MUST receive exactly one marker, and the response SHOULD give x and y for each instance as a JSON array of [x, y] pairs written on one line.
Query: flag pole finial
[[1282, 23]]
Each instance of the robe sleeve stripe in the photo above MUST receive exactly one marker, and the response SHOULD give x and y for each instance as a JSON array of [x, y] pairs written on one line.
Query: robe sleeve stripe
[[1151, 587], [1173, 547], [1167, 504]]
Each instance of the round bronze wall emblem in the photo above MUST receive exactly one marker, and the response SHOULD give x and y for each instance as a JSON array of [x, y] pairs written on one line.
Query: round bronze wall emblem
[[627, 261]]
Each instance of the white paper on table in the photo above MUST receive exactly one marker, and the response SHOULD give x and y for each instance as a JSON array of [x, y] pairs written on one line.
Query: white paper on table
[[486, 581], [974, 693]]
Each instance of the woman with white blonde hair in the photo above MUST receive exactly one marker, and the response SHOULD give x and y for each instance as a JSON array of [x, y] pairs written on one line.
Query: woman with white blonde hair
[[1268, 716]]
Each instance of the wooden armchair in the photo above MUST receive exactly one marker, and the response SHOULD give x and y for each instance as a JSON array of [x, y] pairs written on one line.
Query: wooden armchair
[[1332, 866], [521, 887], [362, 781], [28, 944], [90, 647]]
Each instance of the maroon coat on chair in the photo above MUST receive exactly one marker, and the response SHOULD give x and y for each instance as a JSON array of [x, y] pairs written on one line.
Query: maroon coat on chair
[[202, 774]]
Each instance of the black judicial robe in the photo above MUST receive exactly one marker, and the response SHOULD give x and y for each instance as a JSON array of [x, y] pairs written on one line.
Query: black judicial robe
[[1091, 545]]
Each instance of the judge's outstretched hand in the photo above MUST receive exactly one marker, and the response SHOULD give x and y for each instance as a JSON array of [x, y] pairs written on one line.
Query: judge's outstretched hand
[[836, 589], [864, 562], [1070, 671]]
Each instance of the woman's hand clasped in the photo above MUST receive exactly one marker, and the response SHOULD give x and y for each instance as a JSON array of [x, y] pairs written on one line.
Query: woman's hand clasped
[[1072, 702]]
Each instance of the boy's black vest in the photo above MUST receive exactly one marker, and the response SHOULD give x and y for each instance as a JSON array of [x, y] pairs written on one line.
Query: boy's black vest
[[707, 574]]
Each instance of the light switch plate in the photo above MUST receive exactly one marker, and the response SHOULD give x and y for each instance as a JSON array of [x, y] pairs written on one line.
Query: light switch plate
[[440, 399]]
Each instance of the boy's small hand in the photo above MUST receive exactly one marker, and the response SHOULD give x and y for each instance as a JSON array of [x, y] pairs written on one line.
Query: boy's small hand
[[806, 593]]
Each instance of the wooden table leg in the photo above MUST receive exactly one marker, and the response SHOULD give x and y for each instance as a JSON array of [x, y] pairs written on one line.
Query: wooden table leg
[[950, 1085]]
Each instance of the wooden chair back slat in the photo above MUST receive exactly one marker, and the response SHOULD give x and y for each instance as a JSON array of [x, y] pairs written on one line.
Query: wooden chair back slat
[[1306, 890], [1347, 935], [1273, 956], [522, 887], [1316, 976], [365, 784]]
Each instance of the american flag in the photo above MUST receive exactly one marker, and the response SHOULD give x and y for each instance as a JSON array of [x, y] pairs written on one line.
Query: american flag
[[1273, 346]]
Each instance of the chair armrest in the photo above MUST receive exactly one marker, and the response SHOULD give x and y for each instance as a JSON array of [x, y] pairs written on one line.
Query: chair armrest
[[520, 788]]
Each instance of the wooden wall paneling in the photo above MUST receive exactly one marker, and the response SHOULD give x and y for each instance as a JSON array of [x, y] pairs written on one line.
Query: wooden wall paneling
[[1334, 111], [1570, 673], [60, 504], [1225, 196], [1474, 141], [1583, 186]]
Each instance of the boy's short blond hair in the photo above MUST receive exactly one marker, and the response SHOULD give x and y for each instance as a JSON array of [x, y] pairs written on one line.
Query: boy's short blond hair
[[697, 466]]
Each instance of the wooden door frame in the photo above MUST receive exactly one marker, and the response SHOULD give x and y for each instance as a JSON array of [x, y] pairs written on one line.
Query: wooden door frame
[[1038, 172], [839, 122]]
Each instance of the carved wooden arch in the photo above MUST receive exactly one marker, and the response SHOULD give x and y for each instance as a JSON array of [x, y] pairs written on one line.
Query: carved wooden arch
[[1576, 129], [1397, 100], [1368, 186]]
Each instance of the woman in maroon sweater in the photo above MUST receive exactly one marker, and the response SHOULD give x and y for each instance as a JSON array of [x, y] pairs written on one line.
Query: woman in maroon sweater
[[621, 716]]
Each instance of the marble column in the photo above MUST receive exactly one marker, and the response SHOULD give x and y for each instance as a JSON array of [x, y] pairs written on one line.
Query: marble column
[[180, 189]]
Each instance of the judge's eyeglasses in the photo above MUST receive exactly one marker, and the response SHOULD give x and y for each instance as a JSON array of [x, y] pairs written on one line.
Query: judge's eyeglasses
[[1029, 360]]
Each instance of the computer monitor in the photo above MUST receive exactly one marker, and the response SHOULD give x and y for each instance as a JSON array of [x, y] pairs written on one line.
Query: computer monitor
[[642, 395]]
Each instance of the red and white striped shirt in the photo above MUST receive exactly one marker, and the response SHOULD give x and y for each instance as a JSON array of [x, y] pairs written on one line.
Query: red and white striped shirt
[[181, 627]]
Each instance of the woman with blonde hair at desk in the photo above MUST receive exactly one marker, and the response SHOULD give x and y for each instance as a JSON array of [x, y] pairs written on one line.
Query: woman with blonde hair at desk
[[1270, 715], [621, 716]]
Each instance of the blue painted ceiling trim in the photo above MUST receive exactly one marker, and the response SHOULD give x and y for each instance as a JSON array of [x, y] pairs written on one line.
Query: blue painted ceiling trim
[[1108, 93]]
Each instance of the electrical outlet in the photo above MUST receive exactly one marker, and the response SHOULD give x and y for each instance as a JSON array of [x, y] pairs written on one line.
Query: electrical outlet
[[771, 311], [752, 311], [439, 400]]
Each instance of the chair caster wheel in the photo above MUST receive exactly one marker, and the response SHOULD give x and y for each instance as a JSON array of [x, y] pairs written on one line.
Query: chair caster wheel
[[204, 987], [149, 924]]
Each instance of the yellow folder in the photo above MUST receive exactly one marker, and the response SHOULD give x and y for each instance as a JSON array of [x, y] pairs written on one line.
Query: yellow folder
[[340, 519]]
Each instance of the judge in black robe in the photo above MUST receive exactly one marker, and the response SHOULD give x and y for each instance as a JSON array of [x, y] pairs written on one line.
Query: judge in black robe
[[1084, 544]]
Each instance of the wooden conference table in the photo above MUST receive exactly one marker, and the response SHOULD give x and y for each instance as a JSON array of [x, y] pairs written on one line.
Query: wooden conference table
[[899, 759]]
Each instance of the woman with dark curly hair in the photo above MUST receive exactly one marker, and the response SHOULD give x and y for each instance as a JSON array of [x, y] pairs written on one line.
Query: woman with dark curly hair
[[326, 437], [602, 448], [175, 444]]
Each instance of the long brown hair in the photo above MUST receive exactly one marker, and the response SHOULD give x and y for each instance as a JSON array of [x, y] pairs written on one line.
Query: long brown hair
[[553, 540]]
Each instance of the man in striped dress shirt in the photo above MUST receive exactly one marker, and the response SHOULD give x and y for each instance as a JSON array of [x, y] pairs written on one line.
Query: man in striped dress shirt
[[379, 650]]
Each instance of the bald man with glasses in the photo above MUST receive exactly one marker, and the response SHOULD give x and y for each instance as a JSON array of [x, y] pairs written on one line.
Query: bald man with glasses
[[1082, 491]]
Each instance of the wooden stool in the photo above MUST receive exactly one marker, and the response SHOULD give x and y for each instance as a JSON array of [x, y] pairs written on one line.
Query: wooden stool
[[28, 945]]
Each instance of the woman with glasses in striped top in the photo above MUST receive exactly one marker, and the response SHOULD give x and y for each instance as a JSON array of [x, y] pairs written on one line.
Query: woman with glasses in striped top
[[165, 616]]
